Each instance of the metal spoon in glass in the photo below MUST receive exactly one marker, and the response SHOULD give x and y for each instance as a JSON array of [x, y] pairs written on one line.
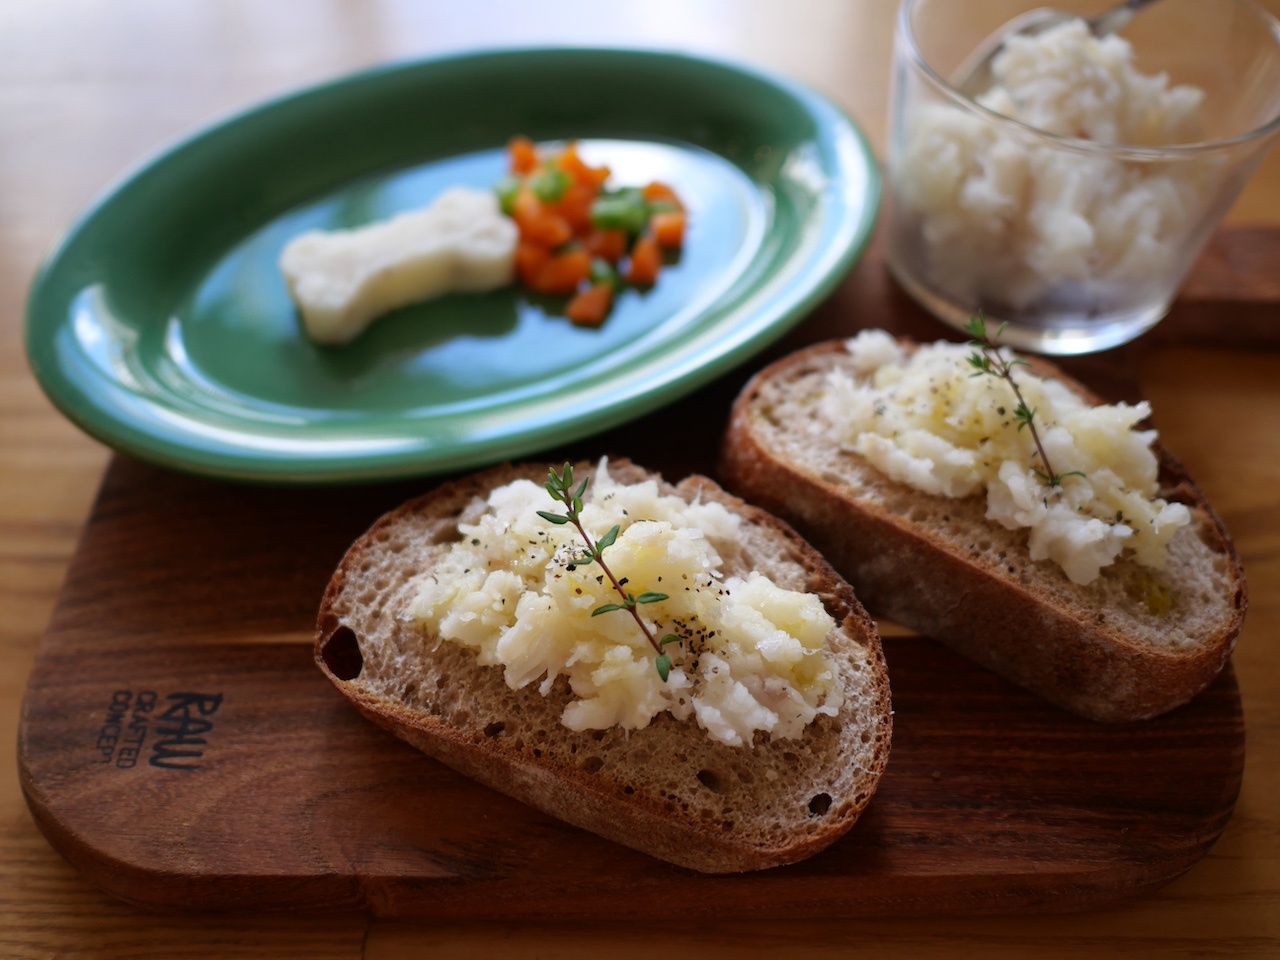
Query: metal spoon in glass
[[974, 75]]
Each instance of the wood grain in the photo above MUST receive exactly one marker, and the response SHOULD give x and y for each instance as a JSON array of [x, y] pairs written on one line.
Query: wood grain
[[154, 692], [187, 609]]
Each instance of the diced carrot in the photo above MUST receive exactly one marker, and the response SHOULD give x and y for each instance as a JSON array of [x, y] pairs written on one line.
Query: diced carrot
[[526, 206], [646, 260], [574, 206], [523, 154], [591, 306], [562, 273], [656, 191], [668, 228], [597, 176], [552, 230], [536, 223], [572, 163], [529, 260], [608, 245], [562, 252]]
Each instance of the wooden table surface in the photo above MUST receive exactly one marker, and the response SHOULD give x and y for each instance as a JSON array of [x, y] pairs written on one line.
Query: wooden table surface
[[88, 89]]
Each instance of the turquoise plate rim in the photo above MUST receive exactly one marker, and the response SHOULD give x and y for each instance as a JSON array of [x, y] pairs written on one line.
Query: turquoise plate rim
[[850, 222]]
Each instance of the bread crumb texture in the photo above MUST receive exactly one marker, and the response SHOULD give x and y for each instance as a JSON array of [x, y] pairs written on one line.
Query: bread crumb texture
[[790, 794], [1116, 544]]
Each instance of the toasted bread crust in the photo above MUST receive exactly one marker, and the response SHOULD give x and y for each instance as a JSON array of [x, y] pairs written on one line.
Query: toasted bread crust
[[1077, 655], [678, 816]]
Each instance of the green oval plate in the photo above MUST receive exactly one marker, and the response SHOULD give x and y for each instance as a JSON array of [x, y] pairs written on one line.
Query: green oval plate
[[161, 324]]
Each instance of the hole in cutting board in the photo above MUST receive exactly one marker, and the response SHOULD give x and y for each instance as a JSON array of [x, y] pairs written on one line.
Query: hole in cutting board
[[341, 653]]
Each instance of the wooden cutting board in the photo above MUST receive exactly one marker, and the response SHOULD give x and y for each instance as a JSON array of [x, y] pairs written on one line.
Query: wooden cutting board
[[178, 746]]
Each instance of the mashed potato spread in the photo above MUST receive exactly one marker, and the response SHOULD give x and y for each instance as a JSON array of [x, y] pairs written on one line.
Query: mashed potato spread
[[1004, 217], [752, 656], [926, 421], [343, 280]]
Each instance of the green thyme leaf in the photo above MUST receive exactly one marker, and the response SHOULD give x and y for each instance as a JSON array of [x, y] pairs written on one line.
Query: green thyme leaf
[[560, 487], [608, 539], [987, 359], [663, 663]]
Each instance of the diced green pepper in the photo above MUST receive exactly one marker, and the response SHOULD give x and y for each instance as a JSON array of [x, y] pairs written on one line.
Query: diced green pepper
[[602, 271], [625, 210], [506, 190], [550, 183]]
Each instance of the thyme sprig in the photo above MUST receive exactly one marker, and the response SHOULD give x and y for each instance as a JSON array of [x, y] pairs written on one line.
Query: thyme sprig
[[560, 486], [987, 360]]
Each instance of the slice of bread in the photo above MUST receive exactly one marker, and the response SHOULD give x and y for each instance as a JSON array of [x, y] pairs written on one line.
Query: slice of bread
[[1110, 650], [667, 789]]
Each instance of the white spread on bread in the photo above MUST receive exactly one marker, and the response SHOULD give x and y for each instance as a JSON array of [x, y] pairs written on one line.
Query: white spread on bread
[[1003, 216], [753, 657], [922, 418], [342, 280]]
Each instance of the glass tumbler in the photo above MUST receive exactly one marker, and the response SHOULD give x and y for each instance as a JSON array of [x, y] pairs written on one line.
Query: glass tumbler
[[1070, 197]]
